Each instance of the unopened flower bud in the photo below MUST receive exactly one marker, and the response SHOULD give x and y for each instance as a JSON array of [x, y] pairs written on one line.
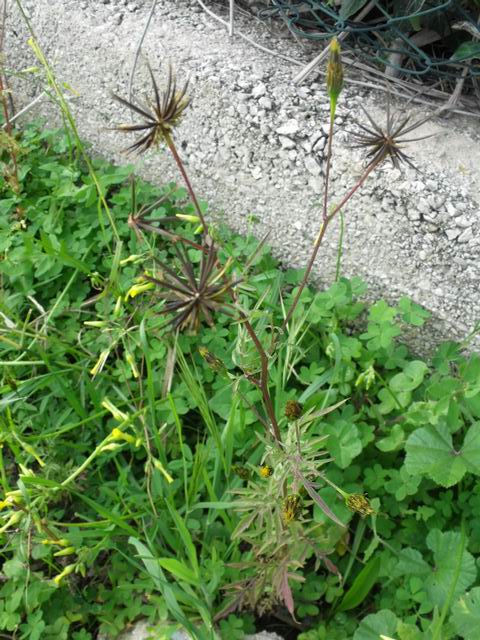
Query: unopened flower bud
[[334, 74], [293, 410], [359, 503]]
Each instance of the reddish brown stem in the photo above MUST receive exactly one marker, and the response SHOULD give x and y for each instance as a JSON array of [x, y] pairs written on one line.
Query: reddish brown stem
[[320, 237], [267, 400], [181, 168]]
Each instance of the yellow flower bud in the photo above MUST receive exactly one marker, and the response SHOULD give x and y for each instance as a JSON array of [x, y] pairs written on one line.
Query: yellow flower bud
[[65, 552], [70, 568], [159, 466], [12, 521], [137, 289], [130, 359], [187, 217], [118, 307], [116, 413], [100, 362], [118, 434], [334, 74]]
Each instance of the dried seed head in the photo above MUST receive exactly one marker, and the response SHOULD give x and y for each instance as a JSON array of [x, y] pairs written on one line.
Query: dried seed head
[[385, 141], [162, 115], [293, 410], [359, 503]]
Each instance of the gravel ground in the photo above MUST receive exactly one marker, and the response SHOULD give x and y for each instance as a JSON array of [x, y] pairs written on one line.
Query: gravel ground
[[254, 145]]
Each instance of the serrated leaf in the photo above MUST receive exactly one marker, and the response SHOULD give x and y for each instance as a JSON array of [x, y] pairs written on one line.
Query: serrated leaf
[[410, 562], [430, 452], [466, 615], [454, 569], [471, 449], [383, 623]]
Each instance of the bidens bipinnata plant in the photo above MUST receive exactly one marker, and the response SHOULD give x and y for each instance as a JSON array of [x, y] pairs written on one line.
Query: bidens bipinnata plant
[[266, 457]]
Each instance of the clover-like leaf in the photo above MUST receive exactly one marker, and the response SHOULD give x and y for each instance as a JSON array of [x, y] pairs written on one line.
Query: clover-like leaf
[[410, 378], [430, 452], [343, 442], [466, 615]]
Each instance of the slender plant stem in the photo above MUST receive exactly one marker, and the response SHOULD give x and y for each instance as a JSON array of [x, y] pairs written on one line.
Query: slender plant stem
[[267, 399], [340, 248], [181, 168], [328, 166], [320, 237]]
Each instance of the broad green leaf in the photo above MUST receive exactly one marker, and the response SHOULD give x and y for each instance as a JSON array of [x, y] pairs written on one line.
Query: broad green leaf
[[349, 7], [383, 623], [430, 452], [362, 585], [466, 615], [467, 51], [454, 568], [410, 562], [471, 449]]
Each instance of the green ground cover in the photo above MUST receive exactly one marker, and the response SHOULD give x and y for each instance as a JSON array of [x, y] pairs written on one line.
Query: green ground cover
[[139, 474]]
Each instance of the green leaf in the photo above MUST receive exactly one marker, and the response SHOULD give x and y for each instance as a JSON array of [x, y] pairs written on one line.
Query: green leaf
[[343, 442], [410, 378], [466, 615], [393, 441], [381, 312], [179, 570], [362, 585], [383, 623], [412, 312], [410, 562], [454, 568], [349, 7], [471, 449], [466, 51], [430, 451]]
